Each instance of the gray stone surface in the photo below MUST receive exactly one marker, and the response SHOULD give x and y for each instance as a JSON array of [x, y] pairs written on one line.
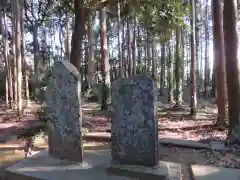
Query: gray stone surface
[[184, 143], [64, 112], [218, 146], [163, 171], [134, 128], [201, 172], [44, 167], [234, 137]]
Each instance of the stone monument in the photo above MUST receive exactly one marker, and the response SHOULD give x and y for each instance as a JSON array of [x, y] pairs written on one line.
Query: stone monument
[[134, 134], [135, 128], [64, 112]]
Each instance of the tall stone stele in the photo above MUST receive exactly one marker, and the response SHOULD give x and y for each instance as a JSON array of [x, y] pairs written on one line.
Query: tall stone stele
[[64, 112], [135, 127]]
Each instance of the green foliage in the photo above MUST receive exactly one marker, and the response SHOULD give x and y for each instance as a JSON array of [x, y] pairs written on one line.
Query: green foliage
[[40, 85], [161, 17]]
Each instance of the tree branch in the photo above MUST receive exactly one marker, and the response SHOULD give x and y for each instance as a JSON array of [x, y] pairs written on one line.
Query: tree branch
[[26, 15], [45, 11]]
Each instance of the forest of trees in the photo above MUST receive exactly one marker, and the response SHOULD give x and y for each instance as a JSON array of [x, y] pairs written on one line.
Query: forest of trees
[[169, 40]]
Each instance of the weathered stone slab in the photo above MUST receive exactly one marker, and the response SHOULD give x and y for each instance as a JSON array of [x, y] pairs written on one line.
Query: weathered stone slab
[[218, 146], [163, 171], [134, 129], [234, 137], [184, 143], [44, 167], [64, 112], [202, 172]]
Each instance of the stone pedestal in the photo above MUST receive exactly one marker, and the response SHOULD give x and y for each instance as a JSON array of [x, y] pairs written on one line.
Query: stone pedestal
[[95, 166], [43, 166]]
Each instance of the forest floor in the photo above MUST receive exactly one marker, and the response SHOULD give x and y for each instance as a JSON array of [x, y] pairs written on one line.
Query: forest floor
[[172, 124]]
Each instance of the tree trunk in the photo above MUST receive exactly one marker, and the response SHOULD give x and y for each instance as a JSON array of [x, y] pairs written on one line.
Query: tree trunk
[[154, 60], [36, 51], [25, 65], [7, 92], [91, 51], [139, 49], [85, 73], [7, 62], [105, 60], [193, 63], [170, 75], [134, 46], [197, 35], [162, 78], [232, 62], [206, 68], [78, 32], [121, 70], [123, 50], [129, 42], [219, 59], [18, 59], [149, 57], [178, 68], [67, 40], [183, 57], [146, 55], [14, 53]]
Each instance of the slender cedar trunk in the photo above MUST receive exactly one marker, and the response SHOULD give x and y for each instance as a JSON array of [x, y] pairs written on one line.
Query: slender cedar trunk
[[5, 53], [183, 58], [219, 59], [232, 62], [129, 42], [67, 40], [121, 71], [154, 60], [193, 110], [149, 58], [78, 33], [123, 50], [6, 92], [197, 36], [134, 45], [61, 41], [9, 93], [170, 75], [81, 63], [23, 55], [213, 90], [201, 70], [86, 64], [36, 50], [206, 68], [187, 65], [14, 53], [178, 68], [105, 63], [162, 78], [139, 49], [19, 60], [91, 51], [146, 55]]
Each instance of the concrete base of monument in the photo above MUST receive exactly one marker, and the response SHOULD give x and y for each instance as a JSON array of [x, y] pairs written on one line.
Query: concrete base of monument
[[44, 167], [95, 166], [163, 171]]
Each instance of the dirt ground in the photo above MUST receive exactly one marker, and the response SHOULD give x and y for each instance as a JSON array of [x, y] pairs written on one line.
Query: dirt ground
[[172, 124]]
